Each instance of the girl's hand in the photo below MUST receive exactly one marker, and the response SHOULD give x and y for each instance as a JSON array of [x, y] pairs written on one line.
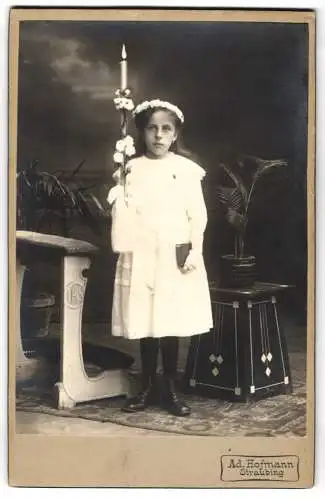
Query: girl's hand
[[192, 261], [117, 176], [114, 193]]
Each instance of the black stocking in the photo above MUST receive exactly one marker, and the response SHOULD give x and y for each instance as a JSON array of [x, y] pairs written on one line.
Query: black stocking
[[149, 348], [169, 353]]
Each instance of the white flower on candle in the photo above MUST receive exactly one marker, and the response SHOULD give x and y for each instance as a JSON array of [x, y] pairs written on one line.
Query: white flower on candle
[[122, 92], [130, 150], [118, 157], [120, 146], [124, 147], [123, 103], [128, 140], [128, 104]]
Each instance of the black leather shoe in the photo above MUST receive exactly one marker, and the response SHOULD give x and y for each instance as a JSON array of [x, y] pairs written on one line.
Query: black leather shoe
[[172, 402], [141, 401]]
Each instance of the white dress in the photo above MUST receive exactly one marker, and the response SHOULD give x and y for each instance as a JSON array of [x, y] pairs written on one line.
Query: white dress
[[161, 205]]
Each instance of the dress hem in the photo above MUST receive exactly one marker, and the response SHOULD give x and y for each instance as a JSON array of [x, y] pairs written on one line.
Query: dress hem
[[179, 335]]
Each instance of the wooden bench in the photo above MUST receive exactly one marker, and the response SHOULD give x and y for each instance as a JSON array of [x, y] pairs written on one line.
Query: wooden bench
[[74, 259]]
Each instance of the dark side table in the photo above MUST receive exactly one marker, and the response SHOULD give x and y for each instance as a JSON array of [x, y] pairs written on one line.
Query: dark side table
[[245, 356]]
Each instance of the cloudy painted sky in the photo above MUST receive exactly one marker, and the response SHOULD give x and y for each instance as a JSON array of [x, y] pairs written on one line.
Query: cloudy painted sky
[[242, 87]]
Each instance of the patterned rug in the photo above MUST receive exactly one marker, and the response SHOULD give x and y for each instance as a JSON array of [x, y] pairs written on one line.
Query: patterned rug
[[277, 416]]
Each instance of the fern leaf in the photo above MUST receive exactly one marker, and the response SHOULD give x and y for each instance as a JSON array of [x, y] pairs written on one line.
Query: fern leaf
[[230, 197], [76, 170], [237, 180], [97, 203], [223, 194], [266, 165], [236, 199]]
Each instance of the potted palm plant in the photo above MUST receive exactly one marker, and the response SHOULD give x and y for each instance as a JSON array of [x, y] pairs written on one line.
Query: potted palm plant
[[46, 204], [238, 269]]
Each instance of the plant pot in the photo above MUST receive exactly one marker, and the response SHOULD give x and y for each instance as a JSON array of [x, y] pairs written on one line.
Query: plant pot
[[36, 315], [237, 272]]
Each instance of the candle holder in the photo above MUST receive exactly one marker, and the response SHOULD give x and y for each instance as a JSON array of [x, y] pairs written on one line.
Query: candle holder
[[124, 104]]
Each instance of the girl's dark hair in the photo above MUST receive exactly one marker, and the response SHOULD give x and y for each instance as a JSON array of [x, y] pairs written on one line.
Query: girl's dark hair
[[141, 120]]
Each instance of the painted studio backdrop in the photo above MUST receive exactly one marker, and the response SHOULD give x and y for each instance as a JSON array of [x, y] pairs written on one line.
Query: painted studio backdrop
[[243, 90]]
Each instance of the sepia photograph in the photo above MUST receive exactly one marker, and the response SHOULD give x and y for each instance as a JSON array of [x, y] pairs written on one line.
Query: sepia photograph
[[162, 244]]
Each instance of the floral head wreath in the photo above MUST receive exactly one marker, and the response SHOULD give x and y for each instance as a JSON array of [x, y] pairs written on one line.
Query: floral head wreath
[[157, 103]]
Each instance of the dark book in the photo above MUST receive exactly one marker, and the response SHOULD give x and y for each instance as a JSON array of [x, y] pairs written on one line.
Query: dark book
[[182, 251]]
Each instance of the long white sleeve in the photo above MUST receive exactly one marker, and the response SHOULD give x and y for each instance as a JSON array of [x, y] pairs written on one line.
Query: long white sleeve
[[123, 231], [196, 212]]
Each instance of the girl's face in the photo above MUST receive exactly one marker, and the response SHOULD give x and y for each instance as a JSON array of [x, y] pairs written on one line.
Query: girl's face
[[159, 134]]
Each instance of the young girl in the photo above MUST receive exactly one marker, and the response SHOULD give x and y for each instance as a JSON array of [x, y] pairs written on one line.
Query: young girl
[[156, 298]]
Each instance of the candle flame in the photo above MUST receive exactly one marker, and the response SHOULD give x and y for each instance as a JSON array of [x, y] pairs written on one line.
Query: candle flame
[[123, 52]]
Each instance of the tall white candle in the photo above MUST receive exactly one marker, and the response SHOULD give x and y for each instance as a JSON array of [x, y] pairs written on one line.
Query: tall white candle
[[124, 70]]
